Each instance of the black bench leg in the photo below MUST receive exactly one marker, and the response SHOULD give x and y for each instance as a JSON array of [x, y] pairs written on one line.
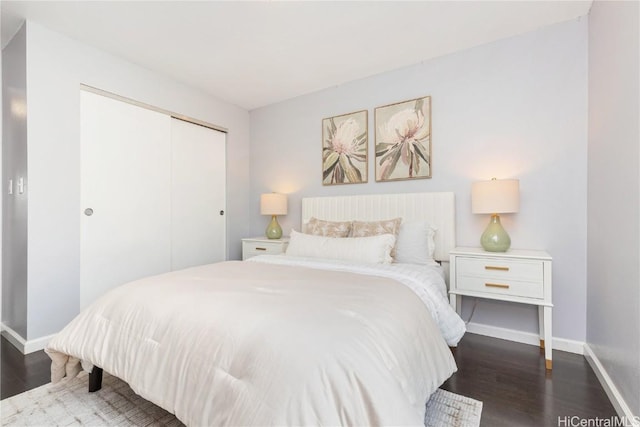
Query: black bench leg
[[95, 379]]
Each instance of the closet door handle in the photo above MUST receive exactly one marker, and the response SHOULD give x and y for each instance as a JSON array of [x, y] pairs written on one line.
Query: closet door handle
[[88, 212], [221, 213]]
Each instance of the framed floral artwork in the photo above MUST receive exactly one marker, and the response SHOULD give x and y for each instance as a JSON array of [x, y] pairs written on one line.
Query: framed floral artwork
[[344, 149], [403, 140]]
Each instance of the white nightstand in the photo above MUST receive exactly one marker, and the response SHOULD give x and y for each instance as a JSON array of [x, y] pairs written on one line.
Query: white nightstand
[[253, 246], [520, 276]]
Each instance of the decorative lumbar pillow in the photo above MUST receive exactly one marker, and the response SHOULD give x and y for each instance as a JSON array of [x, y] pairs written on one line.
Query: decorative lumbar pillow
[[319, 227], [373, 249], [415, 243], [374, 228]]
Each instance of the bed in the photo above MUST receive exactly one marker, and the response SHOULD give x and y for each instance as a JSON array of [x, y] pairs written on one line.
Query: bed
[[286, 339]]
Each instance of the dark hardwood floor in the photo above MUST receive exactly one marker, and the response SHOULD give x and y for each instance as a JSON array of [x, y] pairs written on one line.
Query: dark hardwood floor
[[516, 390], [19, 372], [509, 378]]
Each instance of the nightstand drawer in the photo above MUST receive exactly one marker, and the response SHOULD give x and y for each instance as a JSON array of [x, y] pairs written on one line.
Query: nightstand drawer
[[259, 246], [262, 248], [500, 269], [489, 285]]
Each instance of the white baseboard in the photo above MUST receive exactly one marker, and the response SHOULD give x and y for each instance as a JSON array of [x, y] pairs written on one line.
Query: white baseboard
[[610, 388], [13, 337], [23, 345], [561, 344]]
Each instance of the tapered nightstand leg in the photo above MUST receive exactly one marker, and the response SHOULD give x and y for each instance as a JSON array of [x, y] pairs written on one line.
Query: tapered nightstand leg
[[541, 325], [548, 343], [455, 302]]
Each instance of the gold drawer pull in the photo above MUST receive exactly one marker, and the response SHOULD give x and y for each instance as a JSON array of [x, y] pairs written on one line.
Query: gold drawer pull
[[261, 249], [493, 267], [496, 285]]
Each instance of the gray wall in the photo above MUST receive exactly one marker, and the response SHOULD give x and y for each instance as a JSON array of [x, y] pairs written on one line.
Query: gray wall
[[515, 108], [14, 165], [613, 297], [56, 66]]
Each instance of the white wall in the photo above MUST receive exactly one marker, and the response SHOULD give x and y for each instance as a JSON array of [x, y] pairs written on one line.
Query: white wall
[[56, 66], [516, 108], [613, 305], [14, 157]]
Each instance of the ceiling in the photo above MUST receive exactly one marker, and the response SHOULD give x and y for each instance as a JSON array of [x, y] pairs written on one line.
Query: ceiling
[[254, 54]]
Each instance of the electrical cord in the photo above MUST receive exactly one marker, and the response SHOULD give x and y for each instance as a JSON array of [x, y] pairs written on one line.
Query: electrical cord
[[473, 310]]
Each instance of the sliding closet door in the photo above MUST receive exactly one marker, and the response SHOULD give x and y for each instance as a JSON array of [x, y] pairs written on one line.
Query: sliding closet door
[[198, 230], [125, 201]]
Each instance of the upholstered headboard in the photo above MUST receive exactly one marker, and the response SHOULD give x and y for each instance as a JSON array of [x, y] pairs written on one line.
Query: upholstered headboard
[[437, 208]]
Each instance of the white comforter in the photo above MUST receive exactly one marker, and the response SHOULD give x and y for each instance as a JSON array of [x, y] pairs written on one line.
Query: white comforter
[[427, 282], [258, 343]]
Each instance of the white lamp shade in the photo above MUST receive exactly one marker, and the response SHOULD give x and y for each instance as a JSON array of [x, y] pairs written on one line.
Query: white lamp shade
[[273, 204], [495, 196]]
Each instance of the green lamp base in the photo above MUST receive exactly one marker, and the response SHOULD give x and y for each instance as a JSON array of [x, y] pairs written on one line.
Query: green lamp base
[[495, 238], [274, 231]]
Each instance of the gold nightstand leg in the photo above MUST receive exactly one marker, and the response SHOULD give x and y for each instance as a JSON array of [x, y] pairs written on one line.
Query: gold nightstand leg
[[541, 343], [547, 364]]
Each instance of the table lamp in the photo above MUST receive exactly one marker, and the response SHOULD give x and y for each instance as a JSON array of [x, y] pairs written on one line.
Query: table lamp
[[495, 197], [273, 204]]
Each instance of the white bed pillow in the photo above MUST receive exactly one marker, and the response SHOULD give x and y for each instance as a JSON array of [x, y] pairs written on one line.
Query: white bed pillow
[[371, 250], [416, 243]]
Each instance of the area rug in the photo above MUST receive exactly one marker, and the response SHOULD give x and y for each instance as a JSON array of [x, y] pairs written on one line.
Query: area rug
[[69, 404]]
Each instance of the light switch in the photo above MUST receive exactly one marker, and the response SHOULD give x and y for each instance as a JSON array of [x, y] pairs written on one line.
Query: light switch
[[20, 185], [10, 186]]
